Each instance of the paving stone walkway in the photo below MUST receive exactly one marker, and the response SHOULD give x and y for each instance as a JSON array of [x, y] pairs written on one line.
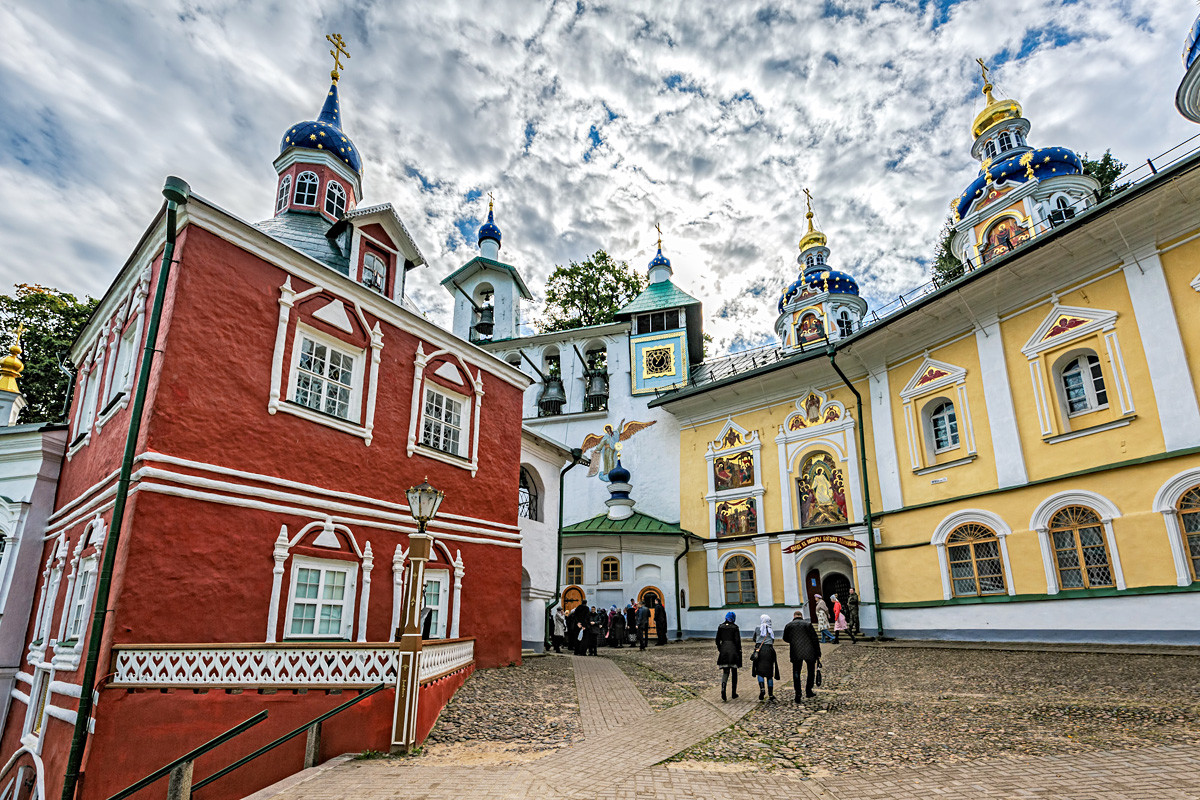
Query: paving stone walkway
[[626, 742]]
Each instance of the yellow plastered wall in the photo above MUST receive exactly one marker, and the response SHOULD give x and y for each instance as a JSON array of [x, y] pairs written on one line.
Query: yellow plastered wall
[[1181, 267], [697, 566], [913, 574], [1143, 437], [776, 551], [977, 476]]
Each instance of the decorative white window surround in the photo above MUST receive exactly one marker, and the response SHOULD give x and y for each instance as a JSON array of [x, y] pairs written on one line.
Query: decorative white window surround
[[288, 298], [127, 350], [948, 525], [308, 666], [1195, 284], [1040, 522], [335, 352], [399, 576], [958, 462], [441, 575], [1166, 502], [750, 555], [51, 578], [1107, 426], [1098, 322], [837, 437], [324, 569], [69, 645], [951, 386], [417, 411], [750, 441], [438, 425], [327, 538]]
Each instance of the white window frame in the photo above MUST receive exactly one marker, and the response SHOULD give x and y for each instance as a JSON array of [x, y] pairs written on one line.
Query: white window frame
[[1004, 142], [1091, 363], [473, 394], [464, 426], [1044, 513], [935, 410], [989, 148], [39, 704], [356, 374], [80, 603], [335, 189], [442, 624], [845, 322], [303, 180], [347, 603], [1166, 502], [284, 194], [382, 272]]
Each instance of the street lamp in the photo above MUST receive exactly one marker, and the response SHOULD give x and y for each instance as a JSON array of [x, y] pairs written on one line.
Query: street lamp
[[423, 502]]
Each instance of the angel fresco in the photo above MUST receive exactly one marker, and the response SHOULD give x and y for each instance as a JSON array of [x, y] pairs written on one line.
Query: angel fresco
[[822, 492], [605, 447]]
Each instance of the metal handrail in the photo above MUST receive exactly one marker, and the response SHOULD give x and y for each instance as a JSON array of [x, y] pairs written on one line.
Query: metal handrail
[[162, 772], [285, 738]]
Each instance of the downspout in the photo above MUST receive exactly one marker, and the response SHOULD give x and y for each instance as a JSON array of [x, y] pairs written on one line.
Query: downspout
[[576, 459], [176, 192], [687, 545], [862, 466]]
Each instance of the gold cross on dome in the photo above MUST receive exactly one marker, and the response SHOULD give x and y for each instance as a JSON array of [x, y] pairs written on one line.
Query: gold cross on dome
[[808, 199], [983, 68], [491, 201], [339, 50], [20, 331], [658, 228]]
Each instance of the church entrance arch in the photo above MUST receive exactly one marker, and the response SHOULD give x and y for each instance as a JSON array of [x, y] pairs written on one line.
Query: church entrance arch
[[572, 597], [645, 594], [827, 571]]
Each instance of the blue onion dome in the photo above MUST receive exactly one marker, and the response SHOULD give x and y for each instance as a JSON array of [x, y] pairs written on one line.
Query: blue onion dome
[[325, 133], [1044, 162], [816, 281], [489, 229], [659, 260], [1191, 47], [618, 474]]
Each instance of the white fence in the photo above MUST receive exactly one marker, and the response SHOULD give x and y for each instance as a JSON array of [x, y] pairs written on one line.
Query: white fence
[[283, 665]]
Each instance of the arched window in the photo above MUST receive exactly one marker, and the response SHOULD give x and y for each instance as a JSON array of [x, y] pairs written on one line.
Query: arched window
[[973, 551], [1189, 519], [739, 582], [528, 505], [1062, 203], [306, 189], [1005, 141], [845, 323], [575, 570], [374, 272], [943, 427], [1082, 384], [989, 149], [1079, 549], [610, 569], [285, 189], [335, 199]]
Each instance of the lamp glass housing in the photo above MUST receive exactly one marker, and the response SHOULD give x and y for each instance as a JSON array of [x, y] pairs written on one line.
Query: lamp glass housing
[[423, 501]]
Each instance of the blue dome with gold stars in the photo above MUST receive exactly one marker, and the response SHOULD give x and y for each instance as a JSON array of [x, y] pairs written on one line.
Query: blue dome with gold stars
[[1044, 162], [325, 133], [489, 229], [659, 260], [816, 281], [1191, 47]]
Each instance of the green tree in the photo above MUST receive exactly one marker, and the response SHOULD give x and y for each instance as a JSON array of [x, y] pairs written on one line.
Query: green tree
[[1105, 169], [52, 321], [945, 267], [588, 292]]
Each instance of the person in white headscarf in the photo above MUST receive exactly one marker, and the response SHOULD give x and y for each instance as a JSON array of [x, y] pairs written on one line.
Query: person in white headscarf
[[764, 665]]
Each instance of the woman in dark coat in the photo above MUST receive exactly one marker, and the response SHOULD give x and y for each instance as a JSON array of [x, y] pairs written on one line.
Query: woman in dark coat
[[764, 665], [729, 652], [616, 630], [579, 621]]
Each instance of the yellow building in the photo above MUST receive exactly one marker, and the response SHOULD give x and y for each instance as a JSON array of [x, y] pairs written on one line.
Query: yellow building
[[1023, 441]]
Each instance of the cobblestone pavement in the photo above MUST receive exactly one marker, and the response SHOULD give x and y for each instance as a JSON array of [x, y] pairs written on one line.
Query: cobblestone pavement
[[906, 723]]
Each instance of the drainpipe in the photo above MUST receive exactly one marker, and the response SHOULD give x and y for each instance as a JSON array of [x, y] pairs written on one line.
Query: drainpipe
[[687, 544], [176, 191], [862, 466], [576, 459]]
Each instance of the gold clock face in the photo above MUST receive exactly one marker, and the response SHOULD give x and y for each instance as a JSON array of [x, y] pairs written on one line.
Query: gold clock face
[[658, 361]]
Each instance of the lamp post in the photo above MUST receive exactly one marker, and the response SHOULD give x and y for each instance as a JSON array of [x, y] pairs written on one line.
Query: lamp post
[[423, 502]]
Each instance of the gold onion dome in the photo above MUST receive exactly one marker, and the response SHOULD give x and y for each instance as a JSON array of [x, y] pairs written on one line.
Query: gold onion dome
[[996, 111], [11, 367], [813, 237]]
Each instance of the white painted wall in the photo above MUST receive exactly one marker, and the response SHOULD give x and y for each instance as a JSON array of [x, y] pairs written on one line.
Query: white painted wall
[[539, 537]]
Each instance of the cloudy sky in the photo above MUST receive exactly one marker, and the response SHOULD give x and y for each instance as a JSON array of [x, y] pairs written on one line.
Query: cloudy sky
[[590, 121]]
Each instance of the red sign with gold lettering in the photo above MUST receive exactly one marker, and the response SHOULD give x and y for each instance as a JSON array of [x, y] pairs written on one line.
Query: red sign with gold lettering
[[809, 541]]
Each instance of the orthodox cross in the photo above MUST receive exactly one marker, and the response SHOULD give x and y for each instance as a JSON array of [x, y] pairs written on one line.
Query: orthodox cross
[[339, 50], [20, 332], [658, 228], [808, 198], [491, 201], [987, 81], [983, 68]]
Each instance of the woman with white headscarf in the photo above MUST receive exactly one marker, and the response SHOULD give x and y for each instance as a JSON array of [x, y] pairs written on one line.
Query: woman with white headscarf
[[763, 664]]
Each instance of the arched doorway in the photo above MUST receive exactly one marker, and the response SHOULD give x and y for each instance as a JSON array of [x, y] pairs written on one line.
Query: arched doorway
[[826, 571], [835, 583], [645, 594], [572, 597]]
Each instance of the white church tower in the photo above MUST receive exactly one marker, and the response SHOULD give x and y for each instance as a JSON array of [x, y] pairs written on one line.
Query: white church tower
[[487, 292]]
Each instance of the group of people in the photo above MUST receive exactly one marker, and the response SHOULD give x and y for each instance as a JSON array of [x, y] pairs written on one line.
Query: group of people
[[587, 627], [844, 618], [804, 647]]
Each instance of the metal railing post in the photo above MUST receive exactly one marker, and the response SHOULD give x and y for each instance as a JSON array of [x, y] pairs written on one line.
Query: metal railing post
[[179, 785]]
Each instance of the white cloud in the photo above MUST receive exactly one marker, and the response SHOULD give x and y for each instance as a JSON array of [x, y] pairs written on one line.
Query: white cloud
[[712, 117]]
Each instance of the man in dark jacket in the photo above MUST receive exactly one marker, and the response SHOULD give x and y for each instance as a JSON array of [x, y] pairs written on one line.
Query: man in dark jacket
[[643, 624], [805, 650], [579, 622], [852, 612]]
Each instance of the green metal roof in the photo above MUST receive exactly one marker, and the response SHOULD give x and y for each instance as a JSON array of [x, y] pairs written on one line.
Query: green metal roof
[[658, 296], [478, 263], [638, 523]]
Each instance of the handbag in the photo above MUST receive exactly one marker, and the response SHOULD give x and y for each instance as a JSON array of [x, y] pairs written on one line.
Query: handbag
[[817, 680], [579, 638]]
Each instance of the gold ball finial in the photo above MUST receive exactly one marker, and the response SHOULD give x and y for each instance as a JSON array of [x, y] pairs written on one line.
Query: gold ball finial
[[12, 366]]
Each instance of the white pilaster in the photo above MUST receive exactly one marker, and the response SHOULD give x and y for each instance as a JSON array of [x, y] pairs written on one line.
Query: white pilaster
[[791, 586], [1170, 377], [1001, 415], [886, 460], [716, 598], [762, 557]]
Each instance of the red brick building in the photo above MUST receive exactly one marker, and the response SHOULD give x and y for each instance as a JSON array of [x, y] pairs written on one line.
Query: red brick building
[[295, 395]]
